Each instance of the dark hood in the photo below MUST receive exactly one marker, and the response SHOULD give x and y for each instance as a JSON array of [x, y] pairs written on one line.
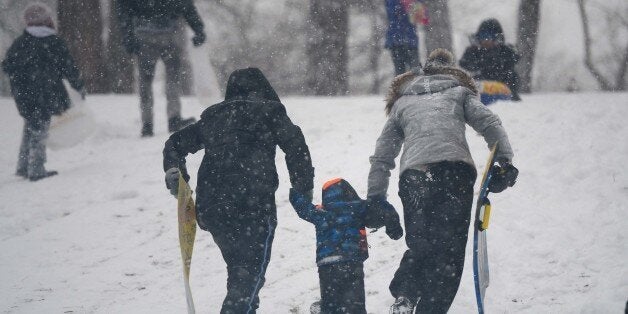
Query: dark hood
[[249, 82], [491, 29], [338, 190]]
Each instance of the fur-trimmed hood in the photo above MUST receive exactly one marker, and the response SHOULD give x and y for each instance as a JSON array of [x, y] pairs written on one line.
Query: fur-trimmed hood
[[438, 74]]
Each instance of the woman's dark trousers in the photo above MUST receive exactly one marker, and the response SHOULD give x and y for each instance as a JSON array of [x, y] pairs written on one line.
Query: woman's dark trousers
[[437, 208]]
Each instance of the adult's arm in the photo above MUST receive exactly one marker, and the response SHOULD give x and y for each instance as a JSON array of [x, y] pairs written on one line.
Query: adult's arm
[[68, 66], [387, 148], [191, 16], [10, 63], [291, 141], [180, 144], [304, 208], [488, 124], [470, 59]]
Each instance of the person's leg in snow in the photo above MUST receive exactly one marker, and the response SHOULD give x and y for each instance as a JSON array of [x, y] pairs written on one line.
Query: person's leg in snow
[[342, 288], [35, 137], [22, 157], [437, 210], [147, 61], [245, 242]]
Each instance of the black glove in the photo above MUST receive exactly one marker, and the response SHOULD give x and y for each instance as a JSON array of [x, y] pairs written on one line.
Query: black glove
[[198, 39], [502, 177], [172, 181]]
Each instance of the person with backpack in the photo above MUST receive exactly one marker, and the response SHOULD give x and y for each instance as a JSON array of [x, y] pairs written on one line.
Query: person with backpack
[[341, 246], [428, 110], [237, 179], [36, 63]]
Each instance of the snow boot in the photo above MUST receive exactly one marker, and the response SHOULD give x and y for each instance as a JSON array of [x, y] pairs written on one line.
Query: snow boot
[[176, 123], [43, 175], [402, 306], [147, 130]]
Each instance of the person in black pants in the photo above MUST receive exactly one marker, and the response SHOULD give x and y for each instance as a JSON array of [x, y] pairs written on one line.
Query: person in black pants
[[237, 178], [149, 31], [428, 110], [436, 205]]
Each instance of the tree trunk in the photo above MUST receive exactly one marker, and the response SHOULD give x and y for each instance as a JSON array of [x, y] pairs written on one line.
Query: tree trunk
[[375, 50], [588, 58], [120, 63], [327, 47], [80, 24], [438, 32], [529, 16]]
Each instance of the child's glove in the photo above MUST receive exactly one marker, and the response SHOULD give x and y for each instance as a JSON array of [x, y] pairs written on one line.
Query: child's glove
[[379, 213]]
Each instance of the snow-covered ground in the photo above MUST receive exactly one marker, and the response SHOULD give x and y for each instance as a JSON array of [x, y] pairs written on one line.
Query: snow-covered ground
[[101, 237]]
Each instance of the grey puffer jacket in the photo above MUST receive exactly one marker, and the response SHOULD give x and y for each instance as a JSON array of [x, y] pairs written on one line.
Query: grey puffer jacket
[[428, 119]]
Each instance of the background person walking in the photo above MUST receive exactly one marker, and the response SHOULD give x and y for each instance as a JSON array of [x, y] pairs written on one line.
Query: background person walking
[[150, 32], [37, 62]]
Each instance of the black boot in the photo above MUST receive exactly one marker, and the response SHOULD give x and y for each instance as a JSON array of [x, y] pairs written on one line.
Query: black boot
[[43, 175], [176, 123], [147, 130]]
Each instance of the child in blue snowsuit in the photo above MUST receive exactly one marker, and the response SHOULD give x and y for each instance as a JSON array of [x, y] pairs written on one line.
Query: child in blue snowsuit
[[341, 246]]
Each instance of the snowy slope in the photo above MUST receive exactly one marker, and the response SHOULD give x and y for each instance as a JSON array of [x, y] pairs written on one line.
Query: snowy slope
[[101, 237]]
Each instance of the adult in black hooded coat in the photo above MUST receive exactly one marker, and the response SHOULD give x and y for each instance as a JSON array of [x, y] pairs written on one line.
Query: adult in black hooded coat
[[237, 178]]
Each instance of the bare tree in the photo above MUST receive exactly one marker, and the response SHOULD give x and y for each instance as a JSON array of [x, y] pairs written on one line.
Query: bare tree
[[120, 63], [80, 24], [620, 55], [327, 47], [529, 16], [438, 31]]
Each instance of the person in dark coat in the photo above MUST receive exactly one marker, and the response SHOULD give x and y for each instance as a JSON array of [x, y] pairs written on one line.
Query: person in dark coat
[[428, 110], [401, 37], [36, 63], [490, 58], [237, 178], [150, 32], [341, 246]]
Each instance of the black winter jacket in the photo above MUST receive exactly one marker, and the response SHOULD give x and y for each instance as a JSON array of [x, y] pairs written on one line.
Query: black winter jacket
[[240, 136], [496, 63], [156, 14], [36, 67]]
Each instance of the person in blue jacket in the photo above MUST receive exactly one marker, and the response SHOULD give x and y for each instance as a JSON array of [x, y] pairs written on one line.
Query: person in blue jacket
[[341, 246], [401, 38]]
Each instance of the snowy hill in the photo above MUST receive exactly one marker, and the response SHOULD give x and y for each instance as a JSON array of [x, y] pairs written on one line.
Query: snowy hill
[[101, 236]]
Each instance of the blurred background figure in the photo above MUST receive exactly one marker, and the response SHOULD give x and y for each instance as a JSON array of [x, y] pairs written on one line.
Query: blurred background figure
[[401, 36], [150, 32], [490, 58], [36, 63]]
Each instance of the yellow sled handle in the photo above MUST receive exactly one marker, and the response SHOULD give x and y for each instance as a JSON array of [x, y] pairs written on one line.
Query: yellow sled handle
[[487, 215]]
